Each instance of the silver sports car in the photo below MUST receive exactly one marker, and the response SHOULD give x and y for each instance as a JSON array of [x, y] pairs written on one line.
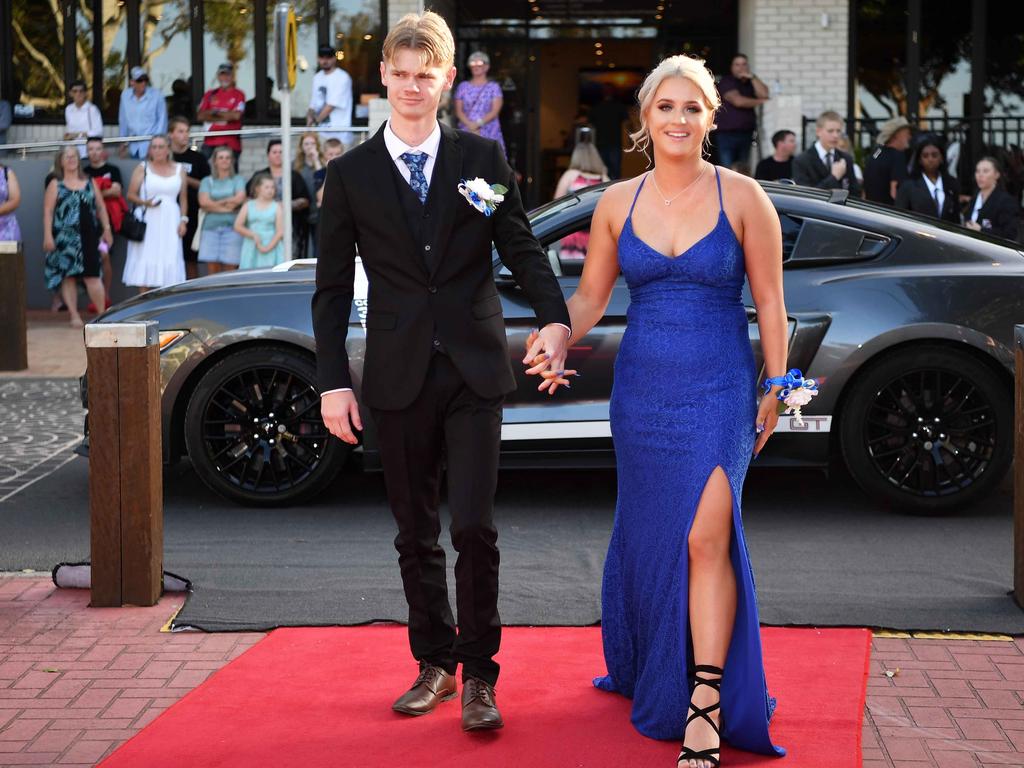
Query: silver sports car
[[907, 325]]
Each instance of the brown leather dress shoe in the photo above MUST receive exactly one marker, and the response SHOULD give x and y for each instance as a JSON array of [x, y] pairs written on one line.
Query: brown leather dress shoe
[[479, 711], [432, 686]]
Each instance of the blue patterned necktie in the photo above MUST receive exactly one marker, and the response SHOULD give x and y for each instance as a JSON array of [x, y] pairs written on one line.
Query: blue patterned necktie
[[417, 179]]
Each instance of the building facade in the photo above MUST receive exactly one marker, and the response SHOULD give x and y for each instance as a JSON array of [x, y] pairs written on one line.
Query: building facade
[[953, 67]]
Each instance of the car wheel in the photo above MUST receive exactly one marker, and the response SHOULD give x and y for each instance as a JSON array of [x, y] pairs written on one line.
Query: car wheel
[[928, 430], [253, 430]]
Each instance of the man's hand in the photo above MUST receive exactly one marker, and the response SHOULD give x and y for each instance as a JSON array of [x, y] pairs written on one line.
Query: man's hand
[[545, 351], [839, 168], [340, 413]]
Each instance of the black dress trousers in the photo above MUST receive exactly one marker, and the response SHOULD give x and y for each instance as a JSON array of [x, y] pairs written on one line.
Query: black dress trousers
[[446, 424]]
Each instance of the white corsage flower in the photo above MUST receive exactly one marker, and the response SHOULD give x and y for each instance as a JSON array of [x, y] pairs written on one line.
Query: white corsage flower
[[796, 392], [481, 195]]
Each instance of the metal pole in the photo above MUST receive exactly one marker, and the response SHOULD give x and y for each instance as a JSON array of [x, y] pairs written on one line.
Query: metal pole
[[1018, 468], [286, 175]]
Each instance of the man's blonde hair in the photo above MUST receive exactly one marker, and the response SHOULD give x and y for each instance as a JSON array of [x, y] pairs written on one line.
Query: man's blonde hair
[[426, 33]]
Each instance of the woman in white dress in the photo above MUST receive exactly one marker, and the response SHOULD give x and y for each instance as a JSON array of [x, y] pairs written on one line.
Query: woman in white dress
[[159, 190]]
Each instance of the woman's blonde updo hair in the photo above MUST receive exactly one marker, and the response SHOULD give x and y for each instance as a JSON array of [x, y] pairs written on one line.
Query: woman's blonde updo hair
[[692, 69]]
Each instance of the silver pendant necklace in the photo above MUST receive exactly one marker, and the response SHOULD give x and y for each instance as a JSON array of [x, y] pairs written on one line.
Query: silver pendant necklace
[[669, 200]]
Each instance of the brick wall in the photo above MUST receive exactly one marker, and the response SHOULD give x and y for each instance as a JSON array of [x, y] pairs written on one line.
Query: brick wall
[[799, 48]]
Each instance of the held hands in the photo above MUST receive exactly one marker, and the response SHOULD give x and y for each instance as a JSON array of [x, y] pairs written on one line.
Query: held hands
[[545, 351], [340, 413], [767, 419]]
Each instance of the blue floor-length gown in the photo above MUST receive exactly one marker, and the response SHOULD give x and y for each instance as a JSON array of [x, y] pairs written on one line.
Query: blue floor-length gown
[[683, 403]]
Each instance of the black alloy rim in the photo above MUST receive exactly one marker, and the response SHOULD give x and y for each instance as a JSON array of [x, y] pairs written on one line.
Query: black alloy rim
[[262, 430], [930, 433]]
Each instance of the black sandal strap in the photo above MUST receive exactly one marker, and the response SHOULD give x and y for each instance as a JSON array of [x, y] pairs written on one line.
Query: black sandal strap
[[711, 754], [704, 712]]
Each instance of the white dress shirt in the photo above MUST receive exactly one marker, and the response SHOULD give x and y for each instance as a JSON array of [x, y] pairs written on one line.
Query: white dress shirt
[[979, 202], [937, 193], [85, 119], [396, 148]]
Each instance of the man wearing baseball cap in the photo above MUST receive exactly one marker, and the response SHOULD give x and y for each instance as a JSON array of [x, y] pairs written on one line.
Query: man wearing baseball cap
[[331, 101], [221, 109], [142, 113]]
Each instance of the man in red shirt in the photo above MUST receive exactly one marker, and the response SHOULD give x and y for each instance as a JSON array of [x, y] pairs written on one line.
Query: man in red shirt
[[221, 110]]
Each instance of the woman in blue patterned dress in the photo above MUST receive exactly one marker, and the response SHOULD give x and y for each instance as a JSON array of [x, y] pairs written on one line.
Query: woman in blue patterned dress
[[679, 609], [73, 226]]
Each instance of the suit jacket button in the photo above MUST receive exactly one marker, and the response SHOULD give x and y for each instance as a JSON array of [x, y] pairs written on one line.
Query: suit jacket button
[[432, 289], [426, 247], [437, 343]]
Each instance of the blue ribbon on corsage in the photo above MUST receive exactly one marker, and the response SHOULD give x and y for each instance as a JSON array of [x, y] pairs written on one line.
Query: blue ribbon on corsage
[[796, 392], [481, 195]]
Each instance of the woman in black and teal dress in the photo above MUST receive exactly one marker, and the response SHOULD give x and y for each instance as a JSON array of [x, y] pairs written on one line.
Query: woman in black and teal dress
[[74, 224]]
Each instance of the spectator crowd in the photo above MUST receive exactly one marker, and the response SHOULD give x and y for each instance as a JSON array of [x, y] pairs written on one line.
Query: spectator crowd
[[185, 207]]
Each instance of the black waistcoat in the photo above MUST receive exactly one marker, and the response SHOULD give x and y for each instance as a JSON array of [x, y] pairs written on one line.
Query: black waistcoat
[[422, 220]]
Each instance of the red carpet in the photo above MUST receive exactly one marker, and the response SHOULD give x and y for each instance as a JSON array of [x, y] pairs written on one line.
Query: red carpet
[[322, 697]]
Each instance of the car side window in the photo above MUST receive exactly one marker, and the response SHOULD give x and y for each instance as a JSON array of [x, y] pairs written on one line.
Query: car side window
[[569, 249], [791, 227]]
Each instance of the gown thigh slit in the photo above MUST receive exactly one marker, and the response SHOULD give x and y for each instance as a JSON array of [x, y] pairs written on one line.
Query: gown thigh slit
[[683, 406]]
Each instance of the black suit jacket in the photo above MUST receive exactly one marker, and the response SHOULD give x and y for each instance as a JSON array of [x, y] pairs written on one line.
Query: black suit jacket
[[410, 305], [913, 195], [1001, 212], [810, 171]]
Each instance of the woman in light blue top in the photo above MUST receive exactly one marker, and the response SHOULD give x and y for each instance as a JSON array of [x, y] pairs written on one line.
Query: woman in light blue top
[[220, 196], [261, 223]]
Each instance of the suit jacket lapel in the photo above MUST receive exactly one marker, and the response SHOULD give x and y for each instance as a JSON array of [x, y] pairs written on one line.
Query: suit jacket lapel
[[382, 169], [443, 192]]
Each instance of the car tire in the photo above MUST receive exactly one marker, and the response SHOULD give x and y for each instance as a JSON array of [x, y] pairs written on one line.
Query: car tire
[[927, 430], [253, 430]]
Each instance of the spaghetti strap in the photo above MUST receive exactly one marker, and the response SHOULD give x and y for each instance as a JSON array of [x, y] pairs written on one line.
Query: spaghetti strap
[[639, 187], [718, 180]]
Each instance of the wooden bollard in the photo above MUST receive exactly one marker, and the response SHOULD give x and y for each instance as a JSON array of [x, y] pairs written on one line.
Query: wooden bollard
[[125, 464], [1018, 467], [13, 325]]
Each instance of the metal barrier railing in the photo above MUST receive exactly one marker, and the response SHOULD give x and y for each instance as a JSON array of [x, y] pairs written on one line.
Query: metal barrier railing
[[24, 148]]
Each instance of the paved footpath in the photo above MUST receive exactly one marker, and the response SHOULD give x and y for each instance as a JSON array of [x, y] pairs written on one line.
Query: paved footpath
[[76, 682]]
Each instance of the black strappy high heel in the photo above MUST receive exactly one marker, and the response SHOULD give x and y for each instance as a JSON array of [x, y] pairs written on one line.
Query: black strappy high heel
[[711, 754]]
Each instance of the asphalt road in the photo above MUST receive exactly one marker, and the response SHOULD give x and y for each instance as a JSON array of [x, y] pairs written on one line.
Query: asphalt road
[[822, 553]]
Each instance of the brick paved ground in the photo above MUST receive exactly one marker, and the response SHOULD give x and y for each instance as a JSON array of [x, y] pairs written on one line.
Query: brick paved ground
[[75, 682]]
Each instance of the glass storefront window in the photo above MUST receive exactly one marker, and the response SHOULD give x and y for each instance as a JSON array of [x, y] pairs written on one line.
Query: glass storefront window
[[113, 17], [38, 59], [305, 18], [1004, 53], [945, 59], [227, 37], [358, 34], [880, 58], [166, 52]]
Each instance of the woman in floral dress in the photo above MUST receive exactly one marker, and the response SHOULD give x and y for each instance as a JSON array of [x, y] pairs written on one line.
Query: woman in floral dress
[[478, 101]]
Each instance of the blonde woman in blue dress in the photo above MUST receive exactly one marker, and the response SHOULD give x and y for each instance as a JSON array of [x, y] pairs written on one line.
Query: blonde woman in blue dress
[[260, 222]]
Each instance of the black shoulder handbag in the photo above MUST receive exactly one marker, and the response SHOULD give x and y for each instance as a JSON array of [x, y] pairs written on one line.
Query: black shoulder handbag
[[134, 228]]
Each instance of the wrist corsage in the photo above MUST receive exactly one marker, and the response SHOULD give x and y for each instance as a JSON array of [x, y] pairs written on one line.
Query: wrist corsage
[[481, 195], [796, 392]]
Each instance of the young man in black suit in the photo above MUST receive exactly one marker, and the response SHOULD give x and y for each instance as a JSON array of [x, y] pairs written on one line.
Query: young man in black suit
[[824, 165], [436, 364]]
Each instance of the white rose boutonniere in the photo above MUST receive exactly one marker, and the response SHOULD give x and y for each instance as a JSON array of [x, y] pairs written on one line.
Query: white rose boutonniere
[[481, 195]]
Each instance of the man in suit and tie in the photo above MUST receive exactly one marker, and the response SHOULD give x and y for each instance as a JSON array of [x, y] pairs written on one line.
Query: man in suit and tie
[[824, 165], [436, 365]]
